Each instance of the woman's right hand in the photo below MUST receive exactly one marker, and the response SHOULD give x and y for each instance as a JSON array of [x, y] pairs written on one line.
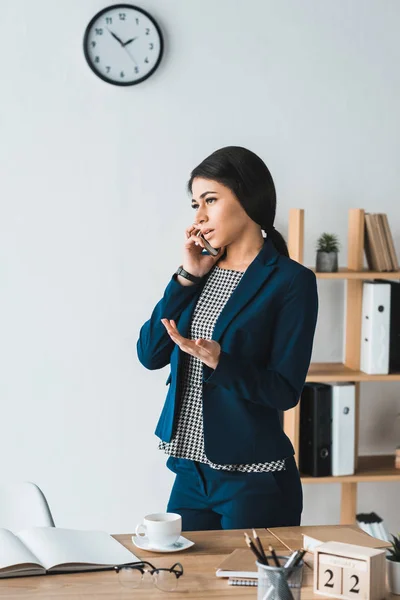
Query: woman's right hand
[[194, 261]]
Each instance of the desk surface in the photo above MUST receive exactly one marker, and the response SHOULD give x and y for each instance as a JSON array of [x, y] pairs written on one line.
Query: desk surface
[[199, 579]]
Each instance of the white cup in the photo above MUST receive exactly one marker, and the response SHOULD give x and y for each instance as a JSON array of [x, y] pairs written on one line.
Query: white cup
[[161, 529]]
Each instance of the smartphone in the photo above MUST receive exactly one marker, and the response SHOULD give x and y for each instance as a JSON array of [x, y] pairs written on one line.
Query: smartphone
[[209, 248]]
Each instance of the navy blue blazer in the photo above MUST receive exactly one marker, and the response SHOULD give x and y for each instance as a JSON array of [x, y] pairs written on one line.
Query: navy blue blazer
[[266, 331]]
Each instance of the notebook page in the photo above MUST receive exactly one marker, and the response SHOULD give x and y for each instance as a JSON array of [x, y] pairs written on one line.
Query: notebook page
[[13, 552], [55, 546]]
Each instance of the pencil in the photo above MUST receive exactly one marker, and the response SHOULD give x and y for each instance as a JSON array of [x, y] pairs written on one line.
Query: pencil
[[253, 548], [276, 561], [260, 546]]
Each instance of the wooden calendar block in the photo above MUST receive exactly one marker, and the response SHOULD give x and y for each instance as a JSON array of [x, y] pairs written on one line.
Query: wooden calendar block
[[329, 576], [355, 582], [349, 572]]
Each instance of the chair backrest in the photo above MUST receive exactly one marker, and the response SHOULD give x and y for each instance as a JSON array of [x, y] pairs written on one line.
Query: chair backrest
[[23, 505]]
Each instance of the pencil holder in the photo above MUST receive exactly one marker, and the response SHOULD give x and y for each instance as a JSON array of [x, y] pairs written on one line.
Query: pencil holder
[[278, 583]]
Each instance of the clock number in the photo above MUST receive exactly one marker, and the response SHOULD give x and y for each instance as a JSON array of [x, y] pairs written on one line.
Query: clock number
[[99, 31], [93, 44], [147, 31], [136, 69], [354, 588], [122, 74], [151, 46], [109, 20], [97, 59], [328, 583], [146, 60], [108, 69], [137, 21], [122, 16]]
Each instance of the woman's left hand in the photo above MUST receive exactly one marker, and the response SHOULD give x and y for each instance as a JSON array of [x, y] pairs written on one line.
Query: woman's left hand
[[208, 351]]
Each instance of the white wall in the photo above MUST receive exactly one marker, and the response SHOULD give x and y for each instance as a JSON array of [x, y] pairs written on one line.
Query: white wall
[[93, 212]]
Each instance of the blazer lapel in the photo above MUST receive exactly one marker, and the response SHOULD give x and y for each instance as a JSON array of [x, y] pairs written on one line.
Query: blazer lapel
[[254, 277]]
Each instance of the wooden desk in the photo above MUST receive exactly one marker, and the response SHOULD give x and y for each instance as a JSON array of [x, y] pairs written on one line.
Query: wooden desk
[[199, 580], [292, 537]]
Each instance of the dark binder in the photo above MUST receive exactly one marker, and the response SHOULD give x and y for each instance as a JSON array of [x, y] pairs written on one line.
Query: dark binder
[[315, 447], [394, 330]]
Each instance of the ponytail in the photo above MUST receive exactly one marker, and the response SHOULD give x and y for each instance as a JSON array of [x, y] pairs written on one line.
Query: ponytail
[[277, 240]]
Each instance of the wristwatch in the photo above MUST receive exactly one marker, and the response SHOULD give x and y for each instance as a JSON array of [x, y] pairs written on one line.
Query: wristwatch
[[181, 271]]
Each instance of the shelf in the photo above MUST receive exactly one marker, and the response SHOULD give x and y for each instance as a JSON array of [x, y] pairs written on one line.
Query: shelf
[[373, 468], [325, 372], [370, 468], [344, 273]]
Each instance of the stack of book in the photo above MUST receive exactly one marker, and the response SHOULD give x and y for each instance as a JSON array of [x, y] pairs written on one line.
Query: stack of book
[[379, 247]]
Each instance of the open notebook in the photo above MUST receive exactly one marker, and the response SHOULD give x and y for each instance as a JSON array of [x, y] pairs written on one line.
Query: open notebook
[[43, 550]]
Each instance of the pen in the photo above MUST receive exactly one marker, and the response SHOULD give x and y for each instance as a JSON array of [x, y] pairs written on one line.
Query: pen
[[292, 560], [300, 554]]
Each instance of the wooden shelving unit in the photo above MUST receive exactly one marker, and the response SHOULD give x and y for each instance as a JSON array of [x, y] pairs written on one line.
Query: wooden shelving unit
[[345, 273], [368, 468], [326, 372]]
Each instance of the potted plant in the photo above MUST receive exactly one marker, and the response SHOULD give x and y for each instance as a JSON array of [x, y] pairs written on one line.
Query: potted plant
[[327, 253], [393, 565]]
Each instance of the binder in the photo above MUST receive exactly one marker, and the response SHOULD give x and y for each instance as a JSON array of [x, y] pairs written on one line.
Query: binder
[[315, 430], [343, 428], [375, 328], [394, 329]]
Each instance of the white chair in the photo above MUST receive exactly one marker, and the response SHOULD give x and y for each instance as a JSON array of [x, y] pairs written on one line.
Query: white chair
[[23, 505]]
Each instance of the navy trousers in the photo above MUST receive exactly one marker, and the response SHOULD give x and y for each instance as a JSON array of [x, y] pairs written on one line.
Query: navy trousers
[[207, 498]]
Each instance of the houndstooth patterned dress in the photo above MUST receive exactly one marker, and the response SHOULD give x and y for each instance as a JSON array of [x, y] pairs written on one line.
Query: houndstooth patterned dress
[[188, 440]]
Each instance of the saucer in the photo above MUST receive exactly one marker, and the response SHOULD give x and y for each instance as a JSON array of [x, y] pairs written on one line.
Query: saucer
[[143, 543]]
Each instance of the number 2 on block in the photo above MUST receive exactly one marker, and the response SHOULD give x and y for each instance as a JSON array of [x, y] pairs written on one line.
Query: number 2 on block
[[330, 579], [354, 583]]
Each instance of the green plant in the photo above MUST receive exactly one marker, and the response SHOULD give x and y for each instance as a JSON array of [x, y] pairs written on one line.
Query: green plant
[[395, 549], [328, 242]]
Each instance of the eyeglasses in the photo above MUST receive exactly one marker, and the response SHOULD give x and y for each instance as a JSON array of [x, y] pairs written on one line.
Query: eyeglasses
[[131, 575]]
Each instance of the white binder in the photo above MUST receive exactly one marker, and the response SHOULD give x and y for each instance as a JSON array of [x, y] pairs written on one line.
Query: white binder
[[343, 428], [375, 329]]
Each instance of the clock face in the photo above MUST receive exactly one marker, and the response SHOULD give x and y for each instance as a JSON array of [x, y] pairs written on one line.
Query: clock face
[[123, 44]]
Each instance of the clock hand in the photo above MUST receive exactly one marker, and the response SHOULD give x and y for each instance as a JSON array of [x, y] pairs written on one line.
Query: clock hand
[[116, 37], [129, 41], [123, 45], [129, 54]]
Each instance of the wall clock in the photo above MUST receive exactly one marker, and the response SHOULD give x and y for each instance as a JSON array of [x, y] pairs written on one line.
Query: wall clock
[[123, 44]]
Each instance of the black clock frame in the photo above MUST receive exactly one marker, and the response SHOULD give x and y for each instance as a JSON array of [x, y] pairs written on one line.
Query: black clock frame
[[86, 51]]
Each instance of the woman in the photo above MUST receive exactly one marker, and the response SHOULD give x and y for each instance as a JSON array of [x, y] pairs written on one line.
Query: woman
[[237, 329]]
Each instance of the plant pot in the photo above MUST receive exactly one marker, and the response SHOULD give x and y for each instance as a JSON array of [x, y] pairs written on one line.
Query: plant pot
[[393, 574], [327, 262]]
